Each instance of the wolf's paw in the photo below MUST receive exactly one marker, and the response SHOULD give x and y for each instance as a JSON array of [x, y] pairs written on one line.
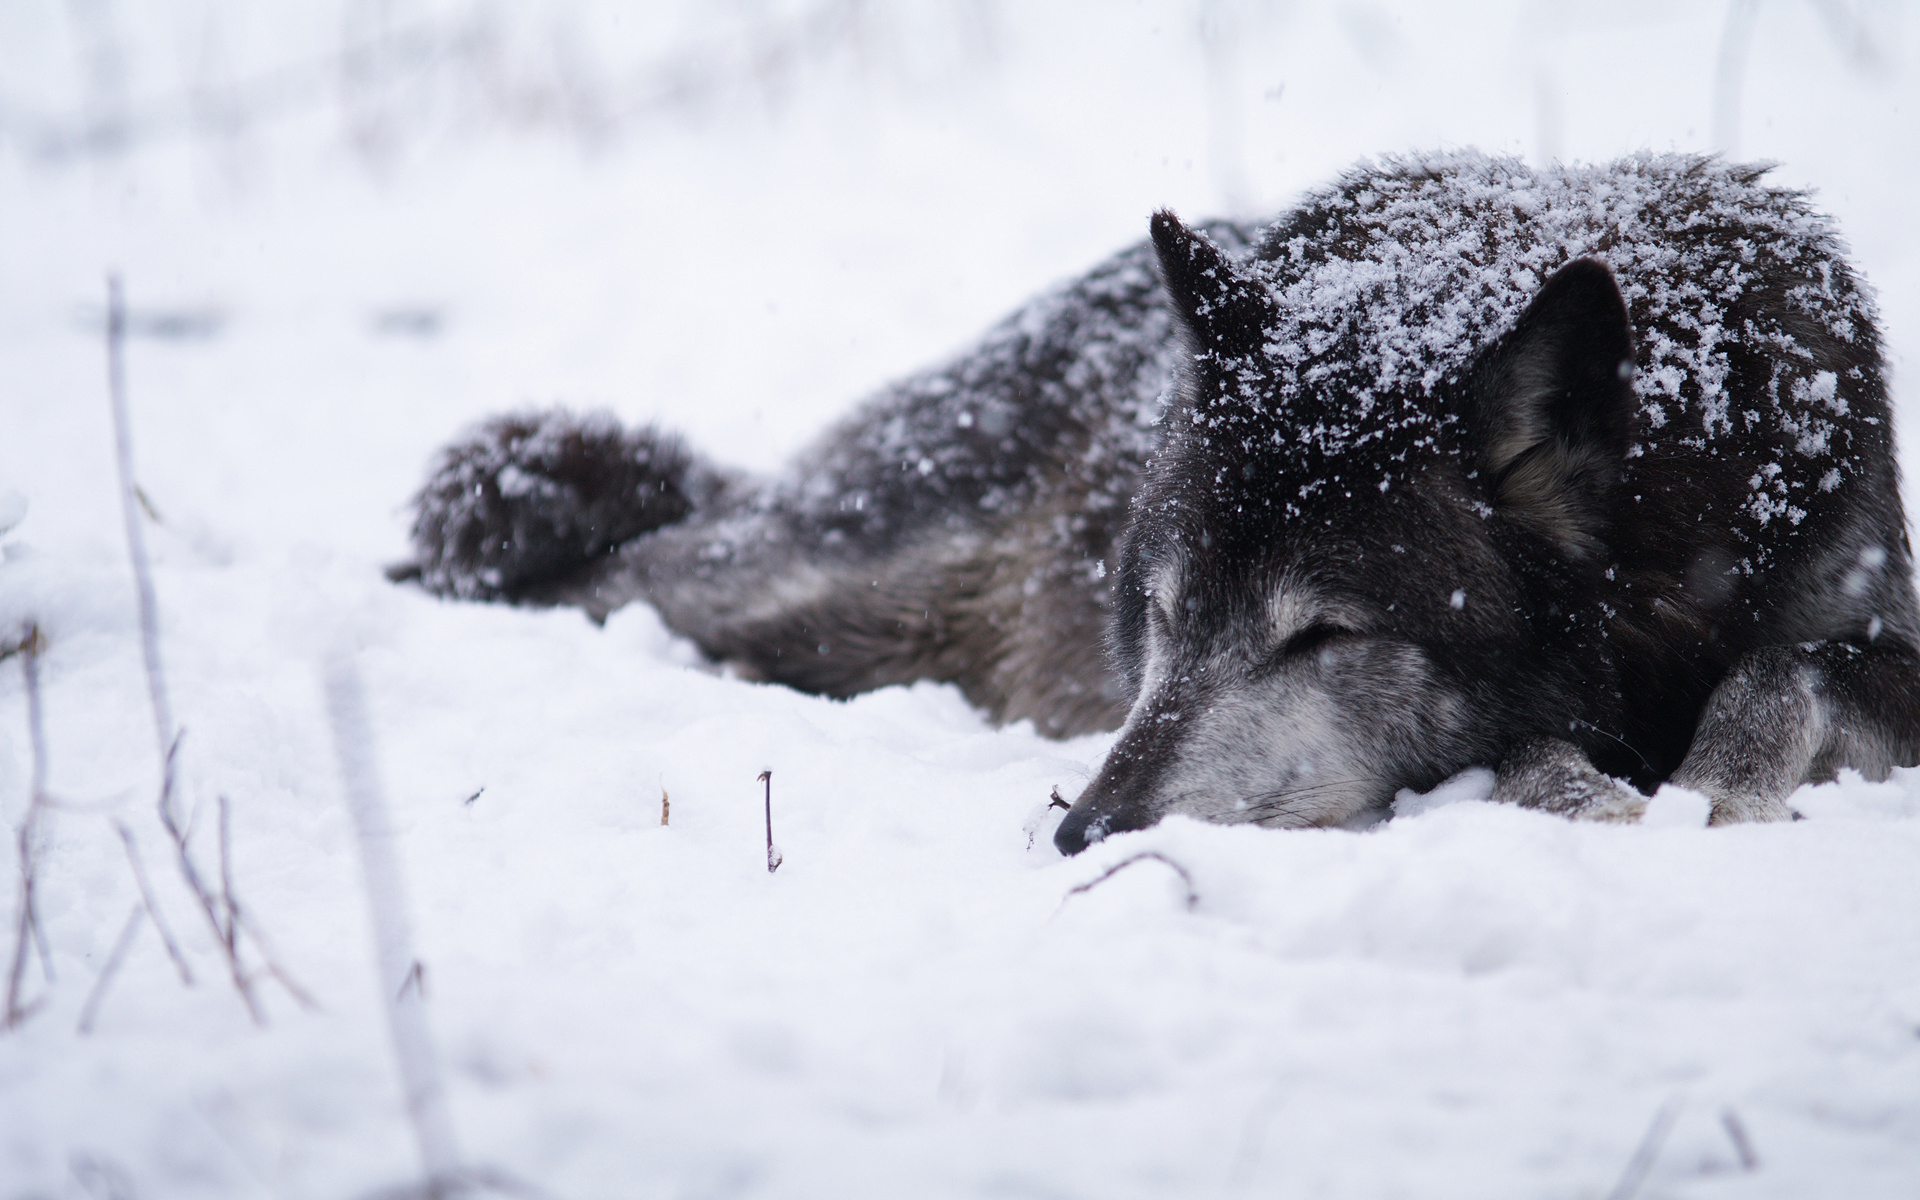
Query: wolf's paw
[[1556, 776], [1731, 807], [528, 497], [1620, 806]]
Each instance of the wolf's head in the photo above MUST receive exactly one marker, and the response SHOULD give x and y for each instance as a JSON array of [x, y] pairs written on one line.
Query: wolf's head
[[1366, 556]]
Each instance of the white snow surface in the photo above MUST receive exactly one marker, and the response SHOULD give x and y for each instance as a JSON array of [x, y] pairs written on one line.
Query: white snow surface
[[1465, 1001]]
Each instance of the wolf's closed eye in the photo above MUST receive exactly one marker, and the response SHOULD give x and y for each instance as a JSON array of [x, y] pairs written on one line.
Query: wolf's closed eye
[[1311, 638]]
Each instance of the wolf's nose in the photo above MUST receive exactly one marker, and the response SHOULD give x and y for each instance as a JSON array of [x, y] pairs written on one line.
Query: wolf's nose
[[1071, 838]]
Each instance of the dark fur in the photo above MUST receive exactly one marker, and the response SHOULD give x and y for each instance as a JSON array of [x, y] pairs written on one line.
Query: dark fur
[[1479, 542]]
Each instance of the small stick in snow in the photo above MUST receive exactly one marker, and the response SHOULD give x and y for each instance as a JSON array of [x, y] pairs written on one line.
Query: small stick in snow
[[1193, 897], [130, 504], [227, 901], [1054, 801], [153, 907], [27, 932], [664, 806], [210, 907], [774, 858], [1737, 1134], [270, 963], [414, 1055], [468, 802], [1648, 1151], [91, 1008], [223, 913]]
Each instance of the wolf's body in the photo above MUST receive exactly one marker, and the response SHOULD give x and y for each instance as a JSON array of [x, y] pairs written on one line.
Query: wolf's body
[[1424, 495]]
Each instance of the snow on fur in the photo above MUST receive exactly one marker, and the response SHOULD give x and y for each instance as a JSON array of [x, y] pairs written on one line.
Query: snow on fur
[[1388, 281], [1469, 1003]]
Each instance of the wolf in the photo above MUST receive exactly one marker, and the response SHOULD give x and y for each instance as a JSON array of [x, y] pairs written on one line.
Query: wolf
[[1583, 472]]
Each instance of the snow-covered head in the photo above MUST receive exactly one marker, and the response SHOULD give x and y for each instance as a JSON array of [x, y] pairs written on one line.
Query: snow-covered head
[[1356, 562]]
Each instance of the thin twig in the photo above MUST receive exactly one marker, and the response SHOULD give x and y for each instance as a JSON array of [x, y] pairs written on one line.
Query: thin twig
[[32, 643], [153, 906], [1729, 71], [16, 1012], [226, 880], [270, 962], [210, 907], [225, 931], [27, 932], [774, 857], [120, 947], [1737, 1134], [1193, 897], [1647, 1152], [413, 1049], [130, 510]]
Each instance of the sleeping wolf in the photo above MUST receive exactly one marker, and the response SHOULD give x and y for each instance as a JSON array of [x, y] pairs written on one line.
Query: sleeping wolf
[[1586, 472]]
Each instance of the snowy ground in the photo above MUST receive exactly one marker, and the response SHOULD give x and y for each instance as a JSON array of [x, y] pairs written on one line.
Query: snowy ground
[[1469, 1001]]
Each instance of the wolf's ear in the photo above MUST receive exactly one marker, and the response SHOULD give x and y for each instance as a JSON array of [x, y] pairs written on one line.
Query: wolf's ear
[[1553, 403], [1227, 312]]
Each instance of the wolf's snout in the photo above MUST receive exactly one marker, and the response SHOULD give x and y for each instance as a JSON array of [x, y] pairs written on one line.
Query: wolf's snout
[[1077, 832], [1098, 814]]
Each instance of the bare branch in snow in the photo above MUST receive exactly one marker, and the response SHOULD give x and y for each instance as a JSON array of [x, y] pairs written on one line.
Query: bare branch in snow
[[27, 931], [1647, 1152], [1737, 1134], [223, 912], [130, 505], [153, 906], [774, 857], [121, 945], [1193, 897], [1729, 71], [413, 1049]]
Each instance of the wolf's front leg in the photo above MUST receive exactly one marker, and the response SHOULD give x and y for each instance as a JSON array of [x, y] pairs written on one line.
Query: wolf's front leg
[[1786, 715], [1556, 776]]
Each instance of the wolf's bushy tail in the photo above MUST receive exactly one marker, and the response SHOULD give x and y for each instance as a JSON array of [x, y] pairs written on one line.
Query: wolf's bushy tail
[[525, 499]]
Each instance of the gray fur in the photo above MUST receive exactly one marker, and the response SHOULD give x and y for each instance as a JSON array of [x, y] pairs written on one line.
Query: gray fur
[[1585, 472]]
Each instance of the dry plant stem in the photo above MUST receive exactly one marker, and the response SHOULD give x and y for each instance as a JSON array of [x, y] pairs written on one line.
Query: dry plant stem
[[1644, 1156], [222, 914], [136, 535], [210, 906], [270, 962], [27, 928], [1193, 897], [413, 1049], [227, 903], [121, 945], [152, 906], [1742, 1144], [32, 642], [774, 857]]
